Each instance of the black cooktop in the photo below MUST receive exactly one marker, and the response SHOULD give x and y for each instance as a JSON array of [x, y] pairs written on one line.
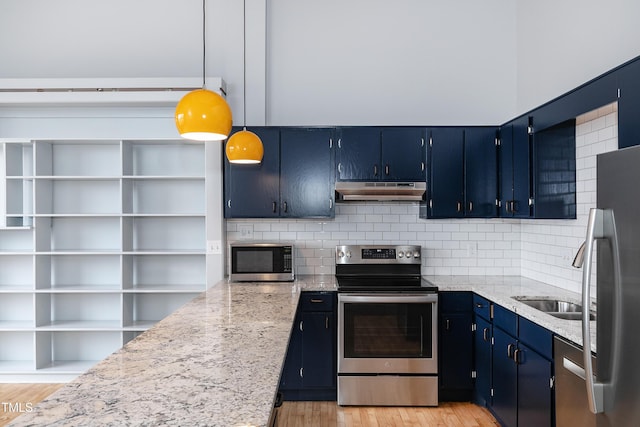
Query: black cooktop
[[384, 284]]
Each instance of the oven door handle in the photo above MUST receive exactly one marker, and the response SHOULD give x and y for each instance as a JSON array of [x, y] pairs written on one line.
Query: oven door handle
[[388, 298]]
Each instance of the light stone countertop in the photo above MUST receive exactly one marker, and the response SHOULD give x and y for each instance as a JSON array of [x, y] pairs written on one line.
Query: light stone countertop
[[216, 361], [501, 289]]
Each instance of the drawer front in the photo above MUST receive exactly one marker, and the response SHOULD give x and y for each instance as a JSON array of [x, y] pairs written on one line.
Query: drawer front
[[506, 320], [536, 337], [317, 301], [482, 307], [455, 302]]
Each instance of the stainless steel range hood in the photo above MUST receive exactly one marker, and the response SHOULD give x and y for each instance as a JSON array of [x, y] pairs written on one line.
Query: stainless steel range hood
[[380, 191]]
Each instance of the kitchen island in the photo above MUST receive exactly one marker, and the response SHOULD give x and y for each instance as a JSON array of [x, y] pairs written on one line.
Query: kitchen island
[[216, 361]]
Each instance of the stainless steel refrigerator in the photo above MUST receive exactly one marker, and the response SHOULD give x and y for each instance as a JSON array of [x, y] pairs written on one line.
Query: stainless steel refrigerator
[[611, 395]]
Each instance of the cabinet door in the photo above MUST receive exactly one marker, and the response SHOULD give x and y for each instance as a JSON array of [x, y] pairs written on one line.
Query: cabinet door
[[481, 172], [482, 362], [318, 361], [505, 378], [535, 395], [445, 175], [358, 154], [306, 173], [521, 170], [456, 350], [291, 378], [554, 172], [252, 191], [403, 154], [505, 171], [629, 106]]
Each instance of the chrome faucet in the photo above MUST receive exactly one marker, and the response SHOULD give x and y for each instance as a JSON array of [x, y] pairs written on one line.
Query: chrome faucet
[[579, 258]]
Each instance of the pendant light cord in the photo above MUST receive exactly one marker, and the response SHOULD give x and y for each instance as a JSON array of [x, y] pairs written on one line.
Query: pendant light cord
[[244, 63], [204, 44]]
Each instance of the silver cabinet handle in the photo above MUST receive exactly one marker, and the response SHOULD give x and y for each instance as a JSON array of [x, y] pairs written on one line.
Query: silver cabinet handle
[[326, 322], [229, 203], [386, 170], [516, 356], [422, 166], [330, 204], [300, 326], [274, 205], [595, 230], [459, 207], [285, 206], [510, 351], [470, 206], [485, 334], [301, 373], [375, 170], [340, 168], [447, 325]]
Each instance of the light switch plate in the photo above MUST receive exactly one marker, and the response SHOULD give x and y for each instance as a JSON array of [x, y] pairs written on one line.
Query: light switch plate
[[214, 247]]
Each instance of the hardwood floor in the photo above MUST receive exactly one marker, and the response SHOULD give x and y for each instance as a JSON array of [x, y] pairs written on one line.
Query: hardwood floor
[[329, 414], [297, 414], [20, 397]]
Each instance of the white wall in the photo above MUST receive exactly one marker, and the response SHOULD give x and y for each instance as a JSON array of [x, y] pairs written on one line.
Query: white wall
[[380, 62], [562, 44]]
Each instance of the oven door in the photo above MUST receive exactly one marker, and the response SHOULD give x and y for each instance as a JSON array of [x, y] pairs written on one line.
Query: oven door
[[387, 333]]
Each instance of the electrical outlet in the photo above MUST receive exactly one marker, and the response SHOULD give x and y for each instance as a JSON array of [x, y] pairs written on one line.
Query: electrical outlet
[[245, 231], [472, 249]]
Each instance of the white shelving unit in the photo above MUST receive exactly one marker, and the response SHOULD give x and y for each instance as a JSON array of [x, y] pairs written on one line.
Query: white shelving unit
[[99, 240]]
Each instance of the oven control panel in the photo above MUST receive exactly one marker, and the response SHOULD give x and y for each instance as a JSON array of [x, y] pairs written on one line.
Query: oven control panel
[[361, 254]]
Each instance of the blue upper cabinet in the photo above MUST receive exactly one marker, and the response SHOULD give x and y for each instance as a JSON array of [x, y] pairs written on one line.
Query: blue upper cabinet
[[462, 174], [403, 154], [514, 169], [629, 105], [306, 173], [554, 172], [445, 182], [358, 154], [371, 153], [481, 172], [253, 191], [295, 178]]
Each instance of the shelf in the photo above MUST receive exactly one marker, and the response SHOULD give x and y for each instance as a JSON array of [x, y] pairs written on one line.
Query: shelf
[[166, 289], [139, 326], [115, 178], [75, 367], [80, 326], [163, 177], [16, 326], [82, 289], [16, 366], [61, 159]]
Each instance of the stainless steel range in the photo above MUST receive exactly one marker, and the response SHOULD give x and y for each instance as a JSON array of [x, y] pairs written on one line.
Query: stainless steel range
[[387, 320]]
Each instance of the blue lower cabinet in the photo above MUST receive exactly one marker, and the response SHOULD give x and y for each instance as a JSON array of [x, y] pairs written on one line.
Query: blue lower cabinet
[[482, 361], [505, 378], [455, 346], [309, 371], [535, 389], [513, 364]]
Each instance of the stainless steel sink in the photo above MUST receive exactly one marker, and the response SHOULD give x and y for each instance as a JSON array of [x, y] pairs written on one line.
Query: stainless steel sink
[[557, 308]]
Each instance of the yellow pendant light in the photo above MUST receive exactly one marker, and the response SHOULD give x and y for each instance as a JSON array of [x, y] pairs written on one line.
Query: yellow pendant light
[[203, 115], [244, 147]]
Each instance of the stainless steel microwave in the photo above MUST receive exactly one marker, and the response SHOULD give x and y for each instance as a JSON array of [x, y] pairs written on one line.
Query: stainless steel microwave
[[261, 262]]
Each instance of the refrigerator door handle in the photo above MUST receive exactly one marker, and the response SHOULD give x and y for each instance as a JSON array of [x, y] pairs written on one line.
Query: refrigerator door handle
[[595, 230]]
